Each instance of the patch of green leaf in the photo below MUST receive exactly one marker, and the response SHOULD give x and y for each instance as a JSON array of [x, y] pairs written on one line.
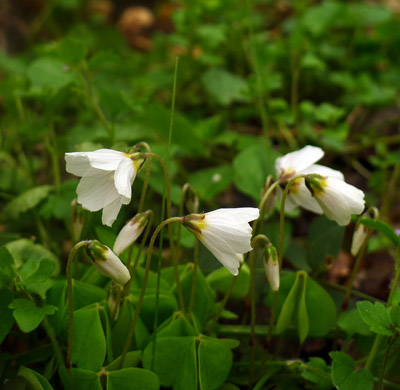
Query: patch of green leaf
[[27, 201], [324, 241], [317, 371], [344, 376], [89, 347], [29, 316], [377, 317], [225, 87]]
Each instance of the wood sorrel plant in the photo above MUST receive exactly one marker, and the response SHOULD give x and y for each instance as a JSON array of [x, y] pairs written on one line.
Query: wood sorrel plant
[[113, 341]]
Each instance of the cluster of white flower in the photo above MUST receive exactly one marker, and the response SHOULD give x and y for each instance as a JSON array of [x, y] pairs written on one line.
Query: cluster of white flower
[[107, 177]]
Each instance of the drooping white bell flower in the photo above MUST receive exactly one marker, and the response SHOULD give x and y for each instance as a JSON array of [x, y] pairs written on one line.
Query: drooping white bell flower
[[338, 200], [107, 262], [107, 177], [302, 162], [130, 232], [225, 232]]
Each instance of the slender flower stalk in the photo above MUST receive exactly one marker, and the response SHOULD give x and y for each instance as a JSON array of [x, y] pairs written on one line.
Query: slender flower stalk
[[144, 285], [194, 280], [359, 245], [223, 304], [252, 262], [191, 201], [259, 223], [379, 337], [147, 176], [71, 258], [170, 231]]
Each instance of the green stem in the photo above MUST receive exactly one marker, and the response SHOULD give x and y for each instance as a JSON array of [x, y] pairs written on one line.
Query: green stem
[[181, 211], [391, 341], [222, 304], [146, 179], [395, 280], [254, 63], [373, 352], [252, 316], [170, 231], [53, 149], [357, 263], [386, 202], [144, 285], [343, 289], [282, 216], [53, 339], [159, 260], [259, 223], [132, 268], [71, 258], [145, 185], [379, 338], [194, 280], [97, 109], [294, 92]]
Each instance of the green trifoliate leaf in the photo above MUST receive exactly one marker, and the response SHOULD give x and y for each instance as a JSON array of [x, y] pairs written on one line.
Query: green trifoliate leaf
[[28, 315], [377, 317]]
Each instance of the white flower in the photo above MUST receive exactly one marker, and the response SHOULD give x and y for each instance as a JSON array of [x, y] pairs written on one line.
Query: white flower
[[130, 232], [225, 232], [107, 262], [302, 162], [107, 177], [337, 199], [271, 265]]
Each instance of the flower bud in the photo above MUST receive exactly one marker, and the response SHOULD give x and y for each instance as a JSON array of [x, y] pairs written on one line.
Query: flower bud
[[271, 264], [130, 232], [107, 262], [77, 220], [359, 236]]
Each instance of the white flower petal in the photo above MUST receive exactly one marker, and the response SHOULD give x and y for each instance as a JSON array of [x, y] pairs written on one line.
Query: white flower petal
[[340, 200], [298, 160], [79, 165], [237, 237], [306, 200], [124, 176], [95, 192], [290, 202], [222, 251], [111, 210], [130, 232], [323, 171], [247, 214], [112, 267], [105, 159]]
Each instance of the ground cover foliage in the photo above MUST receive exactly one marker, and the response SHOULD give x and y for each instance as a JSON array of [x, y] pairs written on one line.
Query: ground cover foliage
[[218, 90]]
